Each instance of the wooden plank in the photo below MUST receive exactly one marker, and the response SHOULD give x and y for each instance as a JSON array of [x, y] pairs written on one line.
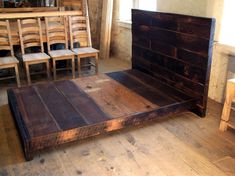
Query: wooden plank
[[33, 113], [28, 21], [106, 25], [164, 47], [3, 31], [79, 25], [81, 102], [181, 67], [31, 44], [180, 40], [38, 14], [172, 79], [107, 102], [56, 34], [3, 23], [152, 94], [182, 26], [154, 83], [28, 9], [31, 29], [66, 116], [5, 48], [31, 36], [78, 18], [114, 98]]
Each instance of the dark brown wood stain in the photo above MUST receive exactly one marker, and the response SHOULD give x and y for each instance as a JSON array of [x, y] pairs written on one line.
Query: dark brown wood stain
[[176, 49]]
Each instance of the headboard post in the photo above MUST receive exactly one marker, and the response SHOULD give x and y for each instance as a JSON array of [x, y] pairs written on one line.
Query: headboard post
[[176, 49]]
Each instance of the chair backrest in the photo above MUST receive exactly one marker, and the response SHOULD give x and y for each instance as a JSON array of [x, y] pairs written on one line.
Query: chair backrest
[[5, 37], [56, 30], [30, 32], [79, 30]]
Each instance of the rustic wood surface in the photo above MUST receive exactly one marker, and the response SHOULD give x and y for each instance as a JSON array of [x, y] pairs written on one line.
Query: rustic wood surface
[[176, 49], [60, 112]]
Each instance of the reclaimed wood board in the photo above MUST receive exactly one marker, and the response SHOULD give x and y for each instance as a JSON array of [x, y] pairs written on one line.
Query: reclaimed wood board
[[176, 49], [59, 112]]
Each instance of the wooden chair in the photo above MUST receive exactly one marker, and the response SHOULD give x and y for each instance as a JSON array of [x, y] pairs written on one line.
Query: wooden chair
[[56, 30], [80, 33], [6, 44], [230, 97], [30, 32]]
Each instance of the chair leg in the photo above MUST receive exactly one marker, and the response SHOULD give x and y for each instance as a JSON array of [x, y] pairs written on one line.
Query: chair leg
[[97, 63], [54, 69], [230, 94], [79, 66], [73, 67], [17, 75], [48, 70], [27, 73]]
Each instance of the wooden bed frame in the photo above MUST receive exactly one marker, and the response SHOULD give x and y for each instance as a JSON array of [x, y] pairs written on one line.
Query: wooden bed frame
[[171, 67]]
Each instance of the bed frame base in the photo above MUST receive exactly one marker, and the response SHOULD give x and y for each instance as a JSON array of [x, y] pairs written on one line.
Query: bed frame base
[[31, 146]]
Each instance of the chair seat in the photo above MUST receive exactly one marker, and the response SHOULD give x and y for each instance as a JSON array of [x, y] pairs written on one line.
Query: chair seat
[[8, 60], [35, 57], [60, 53], [85, 50]]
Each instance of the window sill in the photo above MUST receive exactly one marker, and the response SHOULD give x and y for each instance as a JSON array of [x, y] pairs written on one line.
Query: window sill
[[125, 24]]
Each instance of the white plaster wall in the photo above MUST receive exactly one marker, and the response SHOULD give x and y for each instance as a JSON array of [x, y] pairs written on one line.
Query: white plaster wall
[[188, 7]]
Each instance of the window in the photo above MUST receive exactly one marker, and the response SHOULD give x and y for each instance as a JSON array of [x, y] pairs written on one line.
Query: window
[[227, 33], [127, 5]]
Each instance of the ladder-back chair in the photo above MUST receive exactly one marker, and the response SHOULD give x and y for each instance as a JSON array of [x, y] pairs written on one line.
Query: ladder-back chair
[[80, 33], [30, 32], [6, 44], [56, 30]]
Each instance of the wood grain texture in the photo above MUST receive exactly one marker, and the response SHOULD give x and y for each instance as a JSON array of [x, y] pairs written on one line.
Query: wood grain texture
[[176, 49], [56, 113]]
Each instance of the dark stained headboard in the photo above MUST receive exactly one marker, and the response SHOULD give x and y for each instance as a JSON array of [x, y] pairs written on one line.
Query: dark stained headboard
[[176, 49]]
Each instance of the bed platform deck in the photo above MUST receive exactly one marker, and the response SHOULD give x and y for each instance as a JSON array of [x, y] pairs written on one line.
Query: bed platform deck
[[59, 112], [171, 59]]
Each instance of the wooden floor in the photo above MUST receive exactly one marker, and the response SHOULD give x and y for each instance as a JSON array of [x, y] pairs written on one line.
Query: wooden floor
[[176, 145]]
